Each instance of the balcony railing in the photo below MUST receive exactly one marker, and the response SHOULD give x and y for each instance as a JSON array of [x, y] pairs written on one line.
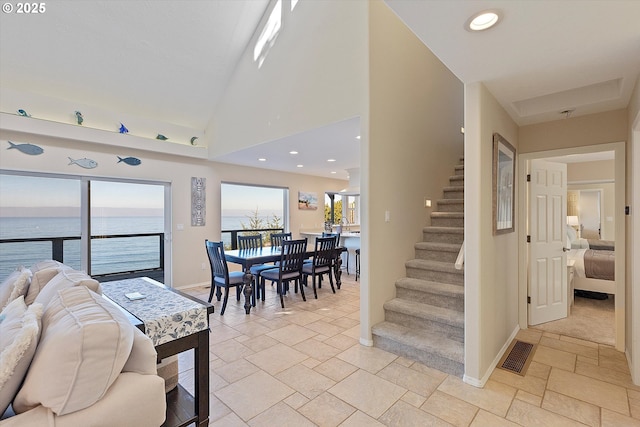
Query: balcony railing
[[230, 237], [131, 256]]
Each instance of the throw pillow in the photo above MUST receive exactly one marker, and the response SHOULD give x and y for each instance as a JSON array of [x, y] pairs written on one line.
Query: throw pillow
[[66, 278], [39, 279], [47, 263], [16, 284], [19, 332], [85, 343]]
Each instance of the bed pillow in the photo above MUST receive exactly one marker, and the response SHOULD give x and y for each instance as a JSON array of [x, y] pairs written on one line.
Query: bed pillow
[[15, 285], [66, 278], [85, 343], [19, 333]]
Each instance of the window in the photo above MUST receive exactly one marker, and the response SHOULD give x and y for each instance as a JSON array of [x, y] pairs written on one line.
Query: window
[[251, 207], [45, 216], [269, 33], [39, 217]]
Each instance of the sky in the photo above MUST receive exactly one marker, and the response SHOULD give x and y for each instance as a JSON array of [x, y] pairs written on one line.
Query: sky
[[243, 199], [27, 191]]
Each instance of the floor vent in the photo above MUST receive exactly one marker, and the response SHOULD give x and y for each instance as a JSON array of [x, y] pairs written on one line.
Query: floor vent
[[517, 357]]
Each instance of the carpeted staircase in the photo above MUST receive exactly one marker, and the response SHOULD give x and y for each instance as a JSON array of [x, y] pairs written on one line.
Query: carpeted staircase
[[425, 322]]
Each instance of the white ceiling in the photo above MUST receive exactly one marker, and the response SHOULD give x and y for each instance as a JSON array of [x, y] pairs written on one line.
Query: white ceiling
[[171, 60]]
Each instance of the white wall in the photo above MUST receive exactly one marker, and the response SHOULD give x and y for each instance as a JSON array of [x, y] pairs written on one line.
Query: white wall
[[491, 262], [416, 111], [188, 244], [633, 243], [312, 76]]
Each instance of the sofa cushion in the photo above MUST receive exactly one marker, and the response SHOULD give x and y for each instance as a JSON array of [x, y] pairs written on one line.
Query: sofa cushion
[[143, 356], [66, 278], [85, 342], [47, 263], [16, 284], [39, 279], [19, 332]]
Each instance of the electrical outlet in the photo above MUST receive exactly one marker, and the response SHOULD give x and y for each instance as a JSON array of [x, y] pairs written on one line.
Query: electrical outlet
[[427, 203]]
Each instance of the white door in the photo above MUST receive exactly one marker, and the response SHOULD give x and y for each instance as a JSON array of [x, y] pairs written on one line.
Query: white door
[[547, 259]]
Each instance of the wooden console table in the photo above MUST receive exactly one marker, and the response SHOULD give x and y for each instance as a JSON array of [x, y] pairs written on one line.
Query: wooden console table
[[176, 322]]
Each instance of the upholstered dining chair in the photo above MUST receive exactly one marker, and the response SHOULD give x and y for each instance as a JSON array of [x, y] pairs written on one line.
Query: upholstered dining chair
[[289, 267], [323, 258], [220, 275], [253, 242]]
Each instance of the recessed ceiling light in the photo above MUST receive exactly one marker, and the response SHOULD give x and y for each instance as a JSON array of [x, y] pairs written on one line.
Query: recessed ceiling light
[[333, 172], [358, 137], [293, 152], [482, 20], [299, 166], [262, 159], [331, 160]]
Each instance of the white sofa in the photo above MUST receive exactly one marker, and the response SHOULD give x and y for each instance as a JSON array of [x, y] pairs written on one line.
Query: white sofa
[[70, 358]]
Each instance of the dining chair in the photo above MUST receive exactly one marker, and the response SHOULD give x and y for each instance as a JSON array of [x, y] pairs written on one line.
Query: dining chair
[[220, 275], [339, 248], [254, 242], [277, 238], [289, 268], [323, 259]]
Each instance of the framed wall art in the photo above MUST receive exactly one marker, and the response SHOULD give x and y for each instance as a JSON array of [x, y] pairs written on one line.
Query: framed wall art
[[504, 172]]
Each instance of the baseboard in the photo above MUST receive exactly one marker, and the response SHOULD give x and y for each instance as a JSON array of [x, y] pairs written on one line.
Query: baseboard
[[482, 381], [635, 376], [194, 285], [367, 342]]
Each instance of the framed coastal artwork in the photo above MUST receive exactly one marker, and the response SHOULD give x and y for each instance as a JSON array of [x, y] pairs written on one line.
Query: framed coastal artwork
[[504, 172], [307, 200]]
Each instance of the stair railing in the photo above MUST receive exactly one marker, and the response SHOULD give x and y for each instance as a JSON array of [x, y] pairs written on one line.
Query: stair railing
[[460, 259]]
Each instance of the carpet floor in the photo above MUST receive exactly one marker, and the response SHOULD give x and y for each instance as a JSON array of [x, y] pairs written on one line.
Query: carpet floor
[[590, 319]]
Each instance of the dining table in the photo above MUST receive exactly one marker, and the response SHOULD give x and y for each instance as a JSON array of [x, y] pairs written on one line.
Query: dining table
[[249, 257]]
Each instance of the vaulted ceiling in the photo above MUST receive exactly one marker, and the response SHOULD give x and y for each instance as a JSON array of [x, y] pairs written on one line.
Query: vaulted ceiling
[[171, 60]]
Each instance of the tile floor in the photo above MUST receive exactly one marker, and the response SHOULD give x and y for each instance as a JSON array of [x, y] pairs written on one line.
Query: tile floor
[[303, 366]]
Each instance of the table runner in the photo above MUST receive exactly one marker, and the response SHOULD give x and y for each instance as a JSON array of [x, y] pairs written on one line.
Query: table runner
[[166, 315]]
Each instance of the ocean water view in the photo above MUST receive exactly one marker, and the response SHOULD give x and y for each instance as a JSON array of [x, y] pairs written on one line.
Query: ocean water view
[[108, 255]]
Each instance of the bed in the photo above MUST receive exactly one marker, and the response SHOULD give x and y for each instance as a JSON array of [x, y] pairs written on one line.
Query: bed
[[594, 264]]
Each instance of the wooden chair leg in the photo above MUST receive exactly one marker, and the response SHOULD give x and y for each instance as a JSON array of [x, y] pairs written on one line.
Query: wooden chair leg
[[213, 289], [313, 280], [224, 302], [281, 291], [301, 289], [331, 281]]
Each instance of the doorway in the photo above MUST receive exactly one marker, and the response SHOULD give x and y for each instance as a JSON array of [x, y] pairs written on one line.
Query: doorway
[[617, 304]]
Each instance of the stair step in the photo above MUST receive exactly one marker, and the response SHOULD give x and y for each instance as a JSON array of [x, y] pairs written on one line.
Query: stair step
[[456, 180], [433, 293], [445, 252], [435, 271], [430, 349], [447, 219], [450, 205], [412, 314], [459, 169], [453, 192], [443, 234]]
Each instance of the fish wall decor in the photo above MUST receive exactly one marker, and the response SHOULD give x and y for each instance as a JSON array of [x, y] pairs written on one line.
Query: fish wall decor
[[30, 149], [193, 140], [23, 113], [161, 137], [83, 163], [123, 129], [79, 117], [132, 161]]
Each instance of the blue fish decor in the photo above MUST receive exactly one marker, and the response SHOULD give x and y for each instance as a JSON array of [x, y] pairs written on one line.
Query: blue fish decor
[[193, 140], [161, 137], [30, 149], [123, 129], [132, 161], [84, 163], [23, 113], [79, 117]]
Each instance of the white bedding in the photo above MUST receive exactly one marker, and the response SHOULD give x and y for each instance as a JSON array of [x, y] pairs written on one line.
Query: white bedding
[[578, 256]]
